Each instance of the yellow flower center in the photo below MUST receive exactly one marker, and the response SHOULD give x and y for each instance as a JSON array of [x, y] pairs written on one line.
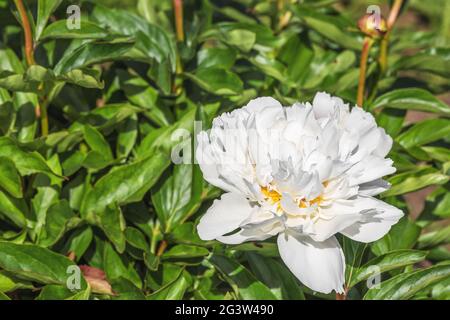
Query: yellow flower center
[[271, 194], [275, 197]]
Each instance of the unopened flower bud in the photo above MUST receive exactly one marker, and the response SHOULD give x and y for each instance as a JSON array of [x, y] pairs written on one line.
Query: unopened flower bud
[[373, 25]]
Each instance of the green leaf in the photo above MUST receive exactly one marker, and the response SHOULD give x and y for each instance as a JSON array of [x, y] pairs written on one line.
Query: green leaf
[[435, 238], [244, 284], [270, 67], [26, 162], [186, 233], [217, 81], [112, 223], [25, 120], [136, 238], [86, 78], [117, 266], [35, 263], [241, 39], [411, 99], [78, 242], [433, 60], [438, 153], [127, 137], [244, 36], [298, 55], [405, 286], [216, 57], [36, 80], [178, 197], [441, 291], [276, 277], [402, 235], [415, 182], [389, 261], [142, 94], [56, 222], [183, 251], [391, 120], [330, 27], [9, 61], [97, 142], [58, 292], [9, 178], [4, 297], [125, 184], [44, 11], [354, 254], [9, 283], [87, 30], [126, 290], [174, 290], [150, 39], [162, 138], [443, 207], [14, 209], [266, 249], [91, 53], [425, 132]]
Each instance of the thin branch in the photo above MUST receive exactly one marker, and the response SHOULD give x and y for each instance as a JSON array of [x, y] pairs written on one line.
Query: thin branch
[[178, 11], [393, 15], [29, 46], [367, 44]]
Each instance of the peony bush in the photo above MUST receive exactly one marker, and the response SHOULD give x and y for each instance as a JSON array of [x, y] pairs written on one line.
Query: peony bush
[[216, 150]]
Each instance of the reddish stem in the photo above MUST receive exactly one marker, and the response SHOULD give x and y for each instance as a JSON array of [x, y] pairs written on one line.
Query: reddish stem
[[363, 70], [29, 47], [178, 11]]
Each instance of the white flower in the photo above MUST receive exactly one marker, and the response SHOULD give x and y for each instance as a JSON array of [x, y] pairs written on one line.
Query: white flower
[[303, 173]]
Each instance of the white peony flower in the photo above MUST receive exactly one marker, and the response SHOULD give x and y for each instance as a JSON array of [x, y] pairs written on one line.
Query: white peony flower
[[303, 173]]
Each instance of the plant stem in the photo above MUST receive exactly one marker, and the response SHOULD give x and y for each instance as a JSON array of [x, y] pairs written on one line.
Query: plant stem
[[44, 117], [340, 296], [384, 45], [393, 14], [367, 44], [41, 108], [162, 247], [29, 46], [178, 11]]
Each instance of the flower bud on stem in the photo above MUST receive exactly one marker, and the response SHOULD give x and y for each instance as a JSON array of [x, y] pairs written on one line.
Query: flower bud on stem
[[374, 27]]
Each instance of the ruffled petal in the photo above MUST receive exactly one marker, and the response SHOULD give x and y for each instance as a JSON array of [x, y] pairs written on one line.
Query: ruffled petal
[[373, 226]]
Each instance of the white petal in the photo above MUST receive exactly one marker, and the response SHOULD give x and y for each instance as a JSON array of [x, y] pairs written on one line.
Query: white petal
[[243, 235], [344, 214], [323, 105], [374, 188], [258, 104], [369, 169], [374, 226], [384, 144], [224, 216], [318, 265], [339, 215], [324, 229]]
